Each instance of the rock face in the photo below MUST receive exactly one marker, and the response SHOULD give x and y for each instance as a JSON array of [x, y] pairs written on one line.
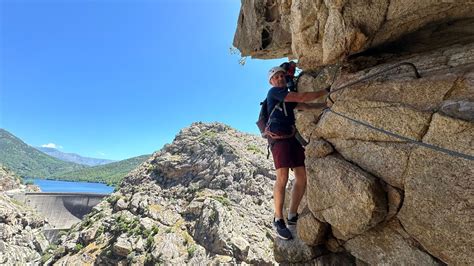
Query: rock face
[[205, 198], [324, 32], [21, 237], [436, 186], [311, 230], [438, 192], [395, 244], [8, 180], [390, 165], [346, 197]]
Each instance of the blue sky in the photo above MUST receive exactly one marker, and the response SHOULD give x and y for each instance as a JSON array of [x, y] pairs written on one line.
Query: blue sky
[[117, 79]]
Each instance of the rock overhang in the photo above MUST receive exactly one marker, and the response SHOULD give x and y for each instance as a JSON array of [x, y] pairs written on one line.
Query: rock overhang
[[319, 33]]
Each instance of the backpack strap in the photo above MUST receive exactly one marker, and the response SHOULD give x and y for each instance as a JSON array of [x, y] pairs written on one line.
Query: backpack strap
[[277, 106], [274, 108]]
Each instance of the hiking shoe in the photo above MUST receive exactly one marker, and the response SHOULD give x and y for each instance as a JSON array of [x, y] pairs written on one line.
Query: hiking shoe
[[293, 220], [281, 229]]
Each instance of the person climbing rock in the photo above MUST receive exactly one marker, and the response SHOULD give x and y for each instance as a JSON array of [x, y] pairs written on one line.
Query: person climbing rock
[[286, 150]]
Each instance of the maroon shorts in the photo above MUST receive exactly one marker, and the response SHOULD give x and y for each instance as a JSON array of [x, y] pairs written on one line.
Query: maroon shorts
[[287, 153]]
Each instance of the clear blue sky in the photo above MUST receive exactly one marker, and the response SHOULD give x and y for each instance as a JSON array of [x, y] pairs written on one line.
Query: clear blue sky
[[117, 79]]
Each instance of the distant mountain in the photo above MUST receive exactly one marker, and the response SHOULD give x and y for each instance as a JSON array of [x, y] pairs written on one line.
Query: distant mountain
[[111, 173], [28, 161], [72, 157]]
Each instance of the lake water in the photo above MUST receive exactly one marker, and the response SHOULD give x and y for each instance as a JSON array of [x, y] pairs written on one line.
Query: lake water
[[68, 186]]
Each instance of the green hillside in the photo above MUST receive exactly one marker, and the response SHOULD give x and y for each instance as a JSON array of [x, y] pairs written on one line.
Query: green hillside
[[111, 173], [29, 162]]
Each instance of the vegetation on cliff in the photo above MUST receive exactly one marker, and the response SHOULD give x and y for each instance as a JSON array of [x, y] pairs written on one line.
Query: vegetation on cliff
[[111, 174], [27, 161]]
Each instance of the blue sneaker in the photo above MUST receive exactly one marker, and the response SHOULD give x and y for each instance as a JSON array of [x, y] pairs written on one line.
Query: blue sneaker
[[293, 220], [281, 229]]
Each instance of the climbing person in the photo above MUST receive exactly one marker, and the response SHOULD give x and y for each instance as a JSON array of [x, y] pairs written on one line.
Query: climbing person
[[286, 150]]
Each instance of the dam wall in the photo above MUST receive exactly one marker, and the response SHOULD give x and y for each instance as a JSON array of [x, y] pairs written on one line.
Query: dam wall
[[62, 210]]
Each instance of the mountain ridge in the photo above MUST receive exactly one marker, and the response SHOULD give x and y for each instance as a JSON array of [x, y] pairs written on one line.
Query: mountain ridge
[[111, 173], [73, 157], [27, 161]]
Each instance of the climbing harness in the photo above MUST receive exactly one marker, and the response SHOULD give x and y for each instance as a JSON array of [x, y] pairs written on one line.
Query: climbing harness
[[275, 136], [426, 145]]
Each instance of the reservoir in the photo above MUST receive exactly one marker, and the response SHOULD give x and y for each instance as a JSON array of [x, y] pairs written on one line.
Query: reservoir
[[71, 187]]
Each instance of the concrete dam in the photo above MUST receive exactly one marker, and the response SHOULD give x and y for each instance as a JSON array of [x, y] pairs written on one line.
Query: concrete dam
[[61, 209]]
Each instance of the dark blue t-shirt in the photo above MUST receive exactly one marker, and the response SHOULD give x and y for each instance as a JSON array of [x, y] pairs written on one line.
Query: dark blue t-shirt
[[279, 121]]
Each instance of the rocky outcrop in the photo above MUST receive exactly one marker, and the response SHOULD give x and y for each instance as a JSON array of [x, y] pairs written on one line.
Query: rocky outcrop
[[205, 198], [8, 180], [324, 32], [390, 168], [21, 237]]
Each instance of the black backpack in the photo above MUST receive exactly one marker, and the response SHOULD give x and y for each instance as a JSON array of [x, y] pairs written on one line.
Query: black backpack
[[263, 117], [262, 122]]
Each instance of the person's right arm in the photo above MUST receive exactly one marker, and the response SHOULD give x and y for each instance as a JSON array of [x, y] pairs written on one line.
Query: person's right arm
[[302, 97]]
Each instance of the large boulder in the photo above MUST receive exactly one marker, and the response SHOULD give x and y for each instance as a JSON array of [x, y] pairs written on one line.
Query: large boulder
[[347, 198], [374, 151], [388, 244], [311, 230], [393, 117], [122, 247], [438, 205], [408, 91], [386, 160], [295, 250]]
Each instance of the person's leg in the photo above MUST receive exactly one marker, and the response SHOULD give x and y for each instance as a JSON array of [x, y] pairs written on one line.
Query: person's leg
[[279, 191], [298, 188]]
